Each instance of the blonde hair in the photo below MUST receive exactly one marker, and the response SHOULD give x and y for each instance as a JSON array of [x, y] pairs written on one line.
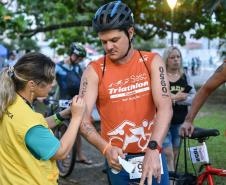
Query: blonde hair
[[32, 66], [7, 91], [166, 55]]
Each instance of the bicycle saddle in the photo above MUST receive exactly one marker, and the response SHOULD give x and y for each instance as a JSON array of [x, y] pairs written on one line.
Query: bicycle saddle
[[203, 133]]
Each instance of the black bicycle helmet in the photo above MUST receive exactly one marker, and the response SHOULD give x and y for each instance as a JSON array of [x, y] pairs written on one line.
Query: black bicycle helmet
[[114, 15], [77, 49]]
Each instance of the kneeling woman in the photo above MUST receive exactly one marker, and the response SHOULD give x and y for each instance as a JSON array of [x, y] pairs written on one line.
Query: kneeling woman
[[28, 148]]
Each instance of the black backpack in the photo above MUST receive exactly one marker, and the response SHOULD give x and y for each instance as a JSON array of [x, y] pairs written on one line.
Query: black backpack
[[69, 84]]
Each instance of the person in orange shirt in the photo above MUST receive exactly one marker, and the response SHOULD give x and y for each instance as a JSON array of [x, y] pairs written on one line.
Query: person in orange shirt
[[131, 92]]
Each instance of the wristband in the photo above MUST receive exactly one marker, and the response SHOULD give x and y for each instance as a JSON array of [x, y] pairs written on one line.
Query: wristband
[[57, 121], [59, 116], [105, 148]]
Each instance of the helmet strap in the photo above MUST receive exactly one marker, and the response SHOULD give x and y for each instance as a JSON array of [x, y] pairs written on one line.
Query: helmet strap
[[129, 47]]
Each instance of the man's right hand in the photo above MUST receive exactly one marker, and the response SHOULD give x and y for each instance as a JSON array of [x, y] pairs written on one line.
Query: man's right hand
[[186, 129], [112, 154]]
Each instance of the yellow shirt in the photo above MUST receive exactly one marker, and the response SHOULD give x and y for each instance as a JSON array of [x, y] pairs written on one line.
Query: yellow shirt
[[17, 165]]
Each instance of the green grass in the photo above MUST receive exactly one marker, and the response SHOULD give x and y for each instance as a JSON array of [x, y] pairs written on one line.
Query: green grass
[[212, 116]]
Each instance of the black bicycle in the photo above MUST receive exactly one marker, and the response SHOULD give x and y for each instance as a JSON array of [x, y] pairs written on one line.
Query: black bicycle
[[65, 166], [186, 178]]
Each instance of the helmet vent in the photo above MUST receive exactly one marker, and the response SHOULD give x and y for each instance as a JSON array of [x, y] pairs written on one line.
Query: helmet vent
[[101, 18], [121, 17]]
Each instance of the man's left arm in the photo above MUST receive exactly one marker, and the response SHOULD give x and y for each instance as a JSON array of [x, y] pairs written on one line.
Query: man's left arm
[[162, 100], [163, 103]]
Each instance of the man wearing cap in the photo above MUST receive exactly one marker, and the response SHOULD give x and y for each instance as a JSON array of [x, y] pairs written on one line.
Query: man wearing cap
[[68, 76]]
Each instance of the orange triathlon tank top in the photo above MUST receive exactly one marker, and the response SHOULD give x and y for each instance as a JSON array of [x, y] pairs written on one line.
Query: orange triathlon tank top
[[125, 103]]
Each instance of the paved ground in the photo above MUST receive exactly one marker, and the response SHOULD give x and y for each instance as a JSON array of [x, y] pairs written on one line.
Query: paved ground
[[87, 174]]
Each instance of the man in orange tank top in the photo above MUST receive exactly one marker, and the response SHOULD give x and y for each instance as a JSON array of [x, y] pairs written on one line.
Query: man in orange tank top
[[131, 92]]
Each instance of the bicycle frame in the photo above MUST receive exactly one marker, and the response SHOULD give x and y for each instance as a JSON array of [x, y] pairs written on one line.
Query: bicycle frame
[[206, 175], [209, 173]]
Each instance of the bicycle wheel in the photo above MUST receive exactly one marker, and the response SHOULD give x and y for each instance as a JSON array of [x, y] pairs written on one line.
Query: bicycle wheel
[[65, 166]]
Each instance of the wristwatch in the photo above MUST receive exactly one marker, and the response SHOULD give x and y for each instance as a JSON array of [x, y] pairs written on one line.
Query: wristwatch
[[153, 145]]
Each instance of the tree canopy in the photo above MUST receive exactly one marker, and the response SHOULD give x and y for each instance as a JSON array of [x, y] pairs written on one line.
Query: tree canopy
[[64, 21]]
